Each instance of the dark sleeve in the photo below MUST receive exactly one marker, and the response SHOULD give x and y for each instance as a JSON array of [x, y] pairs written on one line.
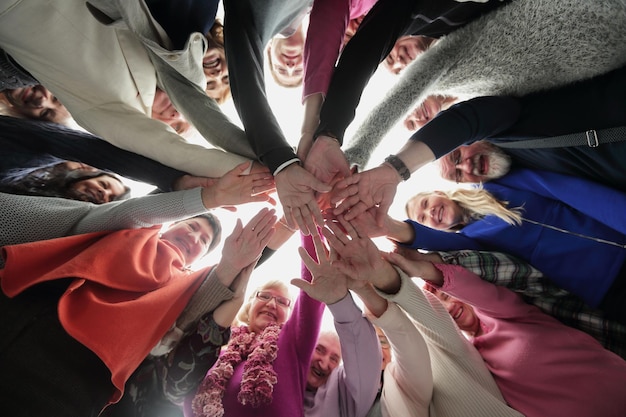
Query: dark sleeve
[[244, 53], [467, 122], [372, 42], [265, 255], [40, 138], [186, 366]]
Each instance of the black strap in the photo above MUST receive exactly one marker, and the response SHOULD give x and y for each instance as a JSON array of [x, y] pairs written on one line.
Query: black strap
[[591, 138]]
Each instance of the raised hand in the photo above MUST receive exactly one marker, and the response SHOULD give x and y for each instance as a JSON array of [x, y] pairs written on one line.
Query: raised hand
[[328, 285], [245, 244], [296, 191], [372, 188], [235, 187]]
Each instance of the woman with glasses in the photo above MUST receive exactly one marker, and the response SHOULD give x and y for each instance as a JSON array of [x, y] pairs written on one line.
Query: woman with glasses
[[263, 368]]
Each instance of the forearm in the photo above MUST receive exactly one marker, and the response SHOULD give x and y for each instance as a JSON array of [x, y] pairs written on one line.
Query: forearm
[[399, 231], [138, 212], [133, 131], [361, 353], [211, 293], [40, 138], [244, 52], [359, 60], [374, 303]]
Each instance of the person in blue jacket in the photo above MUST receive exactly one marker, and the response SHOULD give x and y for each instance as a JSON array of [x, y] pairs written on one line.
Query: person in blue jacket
[[572, 230]]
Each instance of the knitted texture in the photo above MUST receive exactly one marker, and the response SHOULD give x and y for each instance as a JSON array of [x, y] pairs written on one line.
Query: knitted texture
[[28, 219], [519, 48]]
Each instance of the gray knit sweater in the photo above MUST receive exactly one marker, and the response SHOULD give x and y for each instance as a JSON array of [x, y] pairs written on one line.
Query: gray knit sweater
[[521, 47], [28, 219]]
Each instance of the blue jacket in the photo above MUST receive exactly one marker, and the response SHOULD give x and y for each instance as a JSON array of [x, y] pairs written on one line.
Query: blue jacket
[[580, 265]]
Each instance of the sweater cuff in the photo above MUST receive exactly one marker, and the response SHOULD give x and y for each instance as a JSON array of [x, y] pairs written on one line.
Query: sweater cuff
[[192, 202], [345, 310], [209, 295]]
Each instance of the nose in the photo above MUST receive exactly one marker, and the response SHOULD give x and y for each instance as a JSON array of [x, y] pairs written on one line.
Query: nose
[[216, 71], [465, 165], [272, 302]]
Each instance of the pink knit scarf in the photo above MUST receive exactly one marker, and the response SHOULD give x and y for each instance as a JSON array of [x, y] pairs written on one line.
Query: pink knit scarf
[[258, 378]]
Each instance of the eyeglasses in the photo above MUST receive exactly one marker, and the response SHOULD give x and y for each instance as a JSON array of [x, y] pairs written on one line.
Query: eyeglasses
[[266, 297]]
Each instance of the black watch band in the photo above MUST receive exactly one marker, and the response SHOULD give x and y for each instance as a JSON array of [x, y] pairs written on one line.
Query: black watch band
[[399, 166]]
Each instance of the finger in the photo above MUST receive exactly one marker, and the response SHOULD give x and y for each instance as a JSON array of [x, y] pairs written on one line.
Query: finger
[[229, 208], [265, 225], [383, 209], [356, 210], [347, 204], [238, 229], [242, 168], [347, 226], [296, 212], [333, 255], [291, 223], [320, 249], [338, 233], [340, 194], [308, 261], [302, 284], [316, 214], [261, 198]]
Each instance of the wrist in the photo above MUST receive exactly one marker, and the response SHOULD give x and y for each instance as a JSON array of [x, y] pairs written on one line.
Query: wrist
[[399, 166], [209, 200]]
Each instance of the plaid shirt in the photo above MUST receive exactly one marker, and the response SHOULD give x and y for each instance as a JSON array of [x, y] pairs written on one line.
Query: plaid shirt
[[517, 275]]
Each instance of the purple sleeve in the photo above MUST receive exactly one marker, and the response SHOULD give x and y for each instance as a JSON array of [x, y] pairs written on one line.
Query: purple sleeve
[[324, 38]]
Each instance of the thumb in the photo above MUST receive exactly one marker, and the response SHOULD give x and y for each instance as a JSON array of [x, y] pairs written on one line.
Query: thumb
[[302, 284], [238, 228], [244, 168]]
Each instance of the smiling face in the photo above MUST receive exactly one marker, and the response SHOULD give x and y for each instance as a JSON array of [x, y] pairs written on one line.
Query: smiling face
[[405, 50], [287, 59], [98, 190], [263, 312], [216, 73], [481, 161], [192, 237], [435, 211], [38, 103], [326, 357], [426, 111], [463, 314], [163, 110]]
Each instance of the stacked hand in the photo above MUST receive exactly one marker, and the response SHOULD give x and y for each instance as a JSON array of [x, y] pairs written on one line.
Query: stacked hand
[[234, 188], [328, 285], [362, 191]]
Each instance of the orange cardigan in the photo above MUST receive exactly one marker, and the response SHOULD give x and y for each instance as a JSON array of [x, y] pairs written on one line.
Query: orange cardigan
[[130, 287]]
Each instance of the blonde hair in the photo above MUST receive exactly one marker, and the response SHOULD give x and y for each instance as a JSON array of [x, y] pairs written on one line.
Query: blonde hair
[[243, 316], [475, 203]]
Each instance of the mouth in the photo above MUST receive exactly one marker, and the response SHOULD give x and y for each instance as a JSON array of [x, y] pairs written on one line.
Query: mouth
[[318, 372], [212, 63], [440, 214], [269, 314], [482, 165], [458, 313], [184, 244]]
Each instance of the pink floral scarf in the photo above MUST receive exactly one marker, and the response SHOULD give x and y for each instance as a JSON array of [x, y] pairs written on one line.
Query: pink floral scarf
[[258, 378]]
